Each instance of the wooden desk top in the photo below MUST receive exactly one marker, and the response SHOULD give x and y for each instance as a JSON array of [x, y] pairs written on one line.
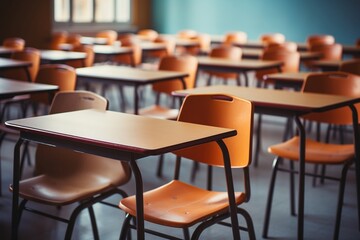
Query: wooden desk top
[[6, 50], [111, 50], [290, 77], [290, 101], [254, 53], [152, 46], [120, 131], [241, 65], [127, 74], [7, 63], [61, 56], [93, 40], [10, 88]]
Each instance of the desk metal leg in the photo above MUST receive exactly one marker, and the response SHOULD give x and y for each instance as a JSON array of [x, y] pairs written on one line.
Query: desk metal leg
[[15, 186], [357, 156], [136, 100], [302, 135], [139, 200], [230, 189]]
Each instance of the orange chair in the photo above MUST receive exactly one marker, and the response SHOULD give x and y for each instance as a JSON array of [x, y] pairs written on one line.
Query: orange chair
[[232, 38], [63, 177], [327, 51], [321, 153], [227, 52], [148, 34], [73, 40], [180, 205], [61, 75], [320, 40], [288, 46], [204, 42], [130, 60], [291, 63], [187, 64], [88, 61], [109, 35], [14, 43], [187, 33], [351, 66], [57, 39], [272, 38]]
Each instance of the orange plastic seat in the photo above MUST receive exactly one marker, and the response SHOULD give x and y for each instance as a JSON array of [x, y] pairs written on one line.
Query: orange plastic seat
[[88, 61], [57, 39], [148, 34], [327, 51], [109, 35], [63, 176], [320, 39], [317, 152], [226, 52], [61, 75], [187, 64], [272, 38], [14, 43], [181, 205], [232, 38], [290, 60]]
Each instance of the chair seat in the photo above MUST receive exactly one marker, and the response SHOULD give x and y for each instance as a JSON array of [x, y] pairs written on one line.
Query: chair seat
[[316, 152], [165, 205], [156, 111], [62, 191]]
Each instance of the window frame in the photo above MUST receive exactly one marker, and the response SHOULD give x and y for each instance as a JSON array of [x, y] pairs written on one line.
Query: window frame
[[92, 26]]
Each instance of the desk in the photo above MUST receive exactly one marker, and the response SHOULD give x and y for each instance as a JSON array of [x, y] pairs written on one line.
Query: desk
[[351, 50], [291, 104], [327, 65], [110, 51], [6, 63], [241, 66], [58, 56], [128, 76], [253, 53], [93, 40], [7, 51], [293, 80], [11, 88], [120, 136]]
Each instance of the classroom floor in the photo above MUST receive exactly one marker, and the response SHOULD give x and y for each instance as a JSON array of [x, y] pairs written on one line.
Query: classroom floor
[[320, 201]]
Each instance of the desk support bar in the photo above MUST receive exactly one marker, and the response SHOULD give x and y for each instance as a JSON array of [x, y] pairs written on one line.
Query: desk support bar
[[230, 189], [139, 199], [357, 155], [302, 135], [15, 186]]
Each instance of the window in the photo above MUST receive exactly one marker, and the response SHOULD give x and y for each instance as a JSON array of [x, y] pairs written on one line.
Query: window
[[92, 11]]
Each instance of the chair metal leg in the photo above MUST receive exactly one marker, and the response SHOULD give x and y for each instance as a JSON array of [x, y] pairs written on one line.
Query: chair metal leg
[[93, 223], [258, 141], [186, 233], [249, 223], [125, 227], [340, 200], [270, 198], [160, 166], [292, 190]]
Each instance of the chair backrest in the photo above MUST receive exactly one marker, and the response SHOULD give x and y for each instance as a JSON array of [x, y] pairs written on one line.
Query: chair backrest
[[110, 36], [56, 161], [135, 58], [88, 61], [60, 75], [290, 60], [187, 33], [235, 37], [148, 34], [320, 39], [28, 54], [187, 64], [336, 83], [204, 41], [170, 47], [74, 40], [351, 66], [328, 51], [228, 52], [358, 42], [15, 43], [288, 46], [272, 38], [220, 111], [58, 38]]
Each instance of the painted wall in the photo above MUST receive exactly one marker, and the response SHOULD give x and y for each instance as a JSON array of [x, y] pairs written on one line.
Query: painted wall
[[296, 19]]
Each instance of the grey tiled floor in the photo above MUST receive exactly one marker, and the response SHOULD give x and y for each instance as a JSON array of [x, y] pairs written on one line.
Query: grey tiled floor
[[319, 205]]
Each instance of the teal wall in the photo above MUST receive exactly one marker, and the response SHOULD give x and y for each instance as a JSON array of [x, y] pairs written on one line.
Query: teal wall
[[296, 19]]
